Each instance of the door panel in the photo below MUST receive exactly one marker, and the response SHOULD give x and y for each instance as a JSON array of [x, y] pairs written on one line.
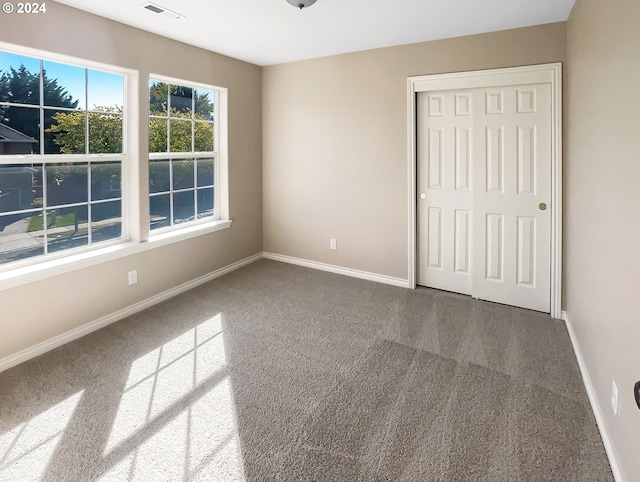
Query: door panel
[[435, 158], [462, 238], [494, 159], [434, 260], [494, 245], [526, 255], [463, 159]]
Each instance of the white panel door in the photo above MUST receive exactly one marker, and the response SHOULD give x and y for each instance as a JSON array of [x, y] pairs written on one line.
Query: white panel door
[[484, 189], [512, 193], [444, 190]]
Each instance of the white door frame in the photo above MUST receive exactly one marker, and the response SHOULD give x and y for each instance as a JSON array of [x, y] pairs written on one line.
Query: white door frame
[[546, 73]]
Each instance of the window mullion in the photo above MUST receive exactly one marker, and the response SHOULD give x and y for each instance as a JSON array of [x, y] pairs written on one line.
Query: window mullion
[[195, 188], [133, 194], [89, 205], [41, 107], [168, 117], [45, 221], [86, 111], [171, 217], [193, 124]]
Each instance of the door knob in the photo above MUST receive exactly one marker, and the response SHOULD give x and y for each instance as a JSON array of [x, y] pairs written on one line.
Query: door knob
[[542, 206], [423, 196]]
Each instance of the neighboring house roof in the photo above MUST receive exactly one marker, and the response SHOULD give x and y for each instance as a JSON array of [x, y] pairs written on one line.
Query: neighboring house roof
[[9, 134]]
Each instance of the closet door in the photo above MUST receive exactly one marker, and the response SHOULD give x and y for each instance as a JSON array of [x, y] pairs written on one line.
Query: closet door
[[444, 173], [512, 192], [484, 188]]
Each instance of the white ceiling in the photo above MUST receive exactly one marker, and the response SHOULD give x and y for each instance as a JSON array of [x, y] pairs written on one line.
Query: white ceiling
[[266, 32]]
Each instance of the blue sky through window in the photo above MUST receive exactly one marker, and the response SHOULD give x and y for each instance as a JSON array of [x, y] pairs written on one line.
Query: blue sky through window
[[12, 60], [69, 77], [105, 89]]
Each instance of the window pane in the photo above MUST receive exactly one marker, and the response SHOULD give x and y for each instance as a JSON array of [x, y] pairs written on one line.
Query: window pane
[[204, 102], [67, 228], [158, 135], [183, 173], [181, 100], [159, 176], [105, 90], [66, 184], [205, 202], [180, 135], [106, 221], [183, 207], [21, 236], [21, 79], [64, 85], [105, 133], [106, 180], [205, 172], [158, 98], [19, 129], [20, 187], [160, 209], [203, 136], [65, 132]]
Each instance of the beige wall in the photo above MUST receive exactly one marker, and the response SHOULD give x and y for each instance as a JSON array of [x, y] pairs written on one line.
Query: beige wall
[[335, 143], [36, 312], [602, 203]]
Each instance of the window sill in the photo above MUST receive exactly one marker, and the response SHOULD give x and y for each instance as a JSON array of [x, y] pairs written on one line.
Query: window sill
[[46, 269]]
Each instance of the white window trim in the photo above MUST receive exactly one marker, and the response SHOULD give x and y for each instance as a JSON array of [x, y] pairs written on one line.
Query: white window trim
[[54, 267], [135, 226]]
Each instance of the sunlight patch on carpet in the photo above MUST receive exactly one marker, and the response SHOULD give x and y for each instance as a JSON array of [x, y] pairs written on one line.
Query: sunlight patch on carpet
[[169, 432], [26, 450]]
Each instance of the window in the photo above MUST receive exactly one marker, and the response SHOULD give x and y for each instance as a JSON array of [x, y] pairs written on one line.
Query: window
[[182, 153], [61, 157], [70, 163]]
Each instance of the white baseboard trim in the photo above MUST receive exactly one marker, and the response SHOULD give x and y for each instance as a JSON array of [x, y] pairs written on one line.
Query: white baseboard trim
[[595, 405], [354, 273], [56, 341]]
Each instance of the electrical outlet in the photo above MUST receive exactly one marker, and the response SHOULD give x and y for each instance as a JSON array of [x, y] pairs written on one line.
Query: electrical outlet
[[333, 244], [133, 277], [614, 397]]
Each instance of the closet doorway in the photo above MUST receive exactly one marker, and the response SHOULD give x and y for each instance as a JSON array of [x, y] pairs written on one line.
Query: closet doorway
[[486, 184]]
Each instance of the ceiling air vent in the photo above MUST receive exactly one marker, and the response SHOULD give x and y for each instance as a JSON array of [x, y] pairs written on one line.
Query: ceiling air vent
[[152, 7]]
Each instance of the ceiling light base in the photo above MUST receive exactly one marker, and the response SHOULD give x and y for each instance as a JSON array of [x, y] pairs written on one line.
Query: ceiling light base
[[301, 3]]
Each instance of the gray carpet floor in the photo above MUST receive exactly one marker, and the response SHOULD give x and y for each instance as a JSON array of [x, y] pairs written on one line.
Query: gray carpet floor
[[278, 372]]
